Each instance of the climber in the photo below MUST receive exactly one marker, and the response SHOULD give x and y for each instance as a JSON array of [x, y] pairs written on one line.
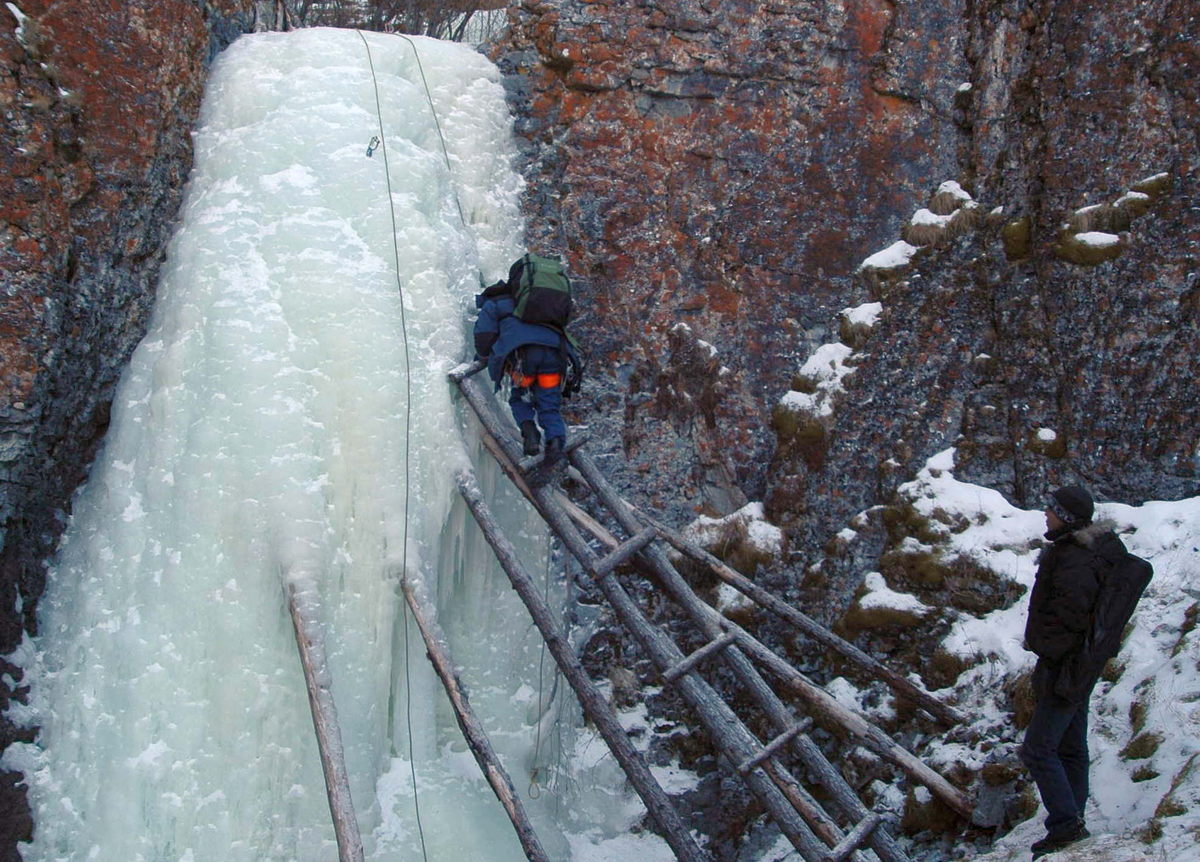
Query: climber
[[537, 357], [1060, 606]]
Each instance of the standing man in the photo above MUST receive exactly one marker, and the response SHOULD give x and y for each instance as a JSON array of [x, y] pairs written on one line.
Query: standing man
[[1060, 607], [536, 356]]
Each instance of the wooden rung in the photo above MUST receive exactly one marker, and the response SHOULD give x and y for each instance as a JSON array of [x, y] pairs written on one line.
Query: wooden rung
[[698, 656], [854, 839], [623, 552], [530, 461], [772, 748], [467, 369]]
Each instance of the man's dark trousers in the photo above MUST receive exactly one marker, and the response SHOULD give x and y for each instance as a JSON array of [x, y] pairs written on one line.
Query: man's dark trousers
[[1056, 753], [547, 403]]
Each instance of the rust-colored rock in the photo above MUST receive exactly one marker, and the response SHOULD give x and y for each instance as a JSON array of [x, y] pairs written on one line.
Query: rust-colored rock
[[730, 165], [725, 166]]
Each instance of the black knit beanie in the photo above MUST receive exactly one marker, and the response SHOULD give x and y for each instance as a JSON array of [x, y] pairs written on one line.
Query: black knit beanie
[[1073, 504]]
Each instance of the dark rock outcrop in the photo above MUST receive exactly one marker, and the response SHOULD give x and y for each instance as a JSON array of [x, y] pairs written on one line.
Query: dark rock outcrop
[[730, 165], [723, 165], [99, 99]]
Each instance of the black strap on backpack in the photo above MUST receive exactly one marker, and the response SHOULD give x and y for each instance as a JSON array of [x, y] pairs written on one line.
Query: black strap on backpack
[[575, 365]]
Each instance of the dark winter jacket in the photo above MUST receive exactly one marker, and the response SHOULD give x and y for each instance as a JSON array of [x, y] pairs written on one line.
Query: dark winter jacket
[[498, 332], [1065, 591]]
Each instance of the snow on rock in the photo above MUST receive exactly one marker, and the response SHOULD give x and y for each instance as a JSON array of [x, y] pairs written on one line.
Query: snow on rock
[[866, 314], [1134, 198], [895, 256], [823, 373], [880, 595], [1098, 239], [950, 187], [744, 539], [732, 603], [929, 218]]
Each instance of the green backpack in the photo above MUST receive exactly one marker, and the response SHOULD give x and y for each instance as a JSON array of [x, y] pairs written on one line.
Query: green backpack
[[543, 292]]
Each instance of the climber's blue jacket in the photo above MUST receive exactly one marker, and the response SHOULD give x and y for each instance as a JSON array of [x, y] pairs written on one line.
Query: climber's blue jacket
[[498, 332]]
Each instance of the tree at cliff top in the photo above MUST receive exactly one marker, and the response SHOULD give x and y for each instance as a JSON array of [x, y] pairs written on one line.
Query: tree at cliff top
[[455, 20]]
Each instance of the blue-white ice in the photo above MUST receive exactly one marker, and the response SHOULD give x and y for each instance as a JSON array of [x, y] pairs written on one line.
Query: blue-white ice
[[259, 435]]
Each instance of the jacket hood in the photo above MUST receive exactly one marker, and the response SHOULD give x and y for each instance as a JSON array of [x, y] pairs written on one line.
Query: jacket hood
[[1090, 535]]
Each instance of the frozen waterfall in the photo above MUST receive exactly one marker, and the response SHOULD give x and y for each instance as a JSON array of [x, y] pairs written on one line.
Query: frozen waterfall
[[259, 434]]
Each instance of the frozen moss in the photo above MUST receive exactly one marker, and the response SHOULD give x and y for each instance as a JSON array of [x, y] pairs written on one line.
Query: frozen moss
[[1144, 773], [1016, 237], [1142, 746], [1189, 625], [1088, 249], [1047, 442], [1137, 716], [1153, 186]]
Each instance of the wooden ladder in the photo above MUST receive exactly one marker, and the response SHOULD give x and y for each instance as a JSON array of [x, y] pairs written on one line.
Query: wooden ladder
[[800, 817]]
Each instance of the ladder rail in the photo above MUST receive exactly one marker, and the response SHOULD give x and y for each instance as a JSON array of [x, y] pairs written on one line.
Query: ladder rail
[[705, 617], [727, 730], [438, 651], [590, 697], [319, 683]]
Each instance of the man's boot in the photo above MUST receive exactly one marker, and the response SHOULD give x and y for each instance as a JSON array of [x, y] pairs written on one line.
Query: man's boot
[[1059, 839], [531, 440], [554, 451]]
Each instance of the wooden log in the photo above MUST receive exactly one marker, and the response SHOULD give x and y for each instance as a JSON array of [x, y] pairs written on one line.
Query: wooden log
[[710, 622], [824, 704], [623, 552], [772, 748], [903, 687], [820, 821], [671, 674], [731, 735], [319, 683], [467, 369], [472, 728], [590, 697], [854, 839]]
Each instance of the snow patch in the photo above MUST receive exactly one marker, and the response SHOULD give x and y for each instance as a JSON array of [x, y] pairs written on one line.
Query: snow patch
[[879, 595], [1098, 239], [866, 314], [896, 255]]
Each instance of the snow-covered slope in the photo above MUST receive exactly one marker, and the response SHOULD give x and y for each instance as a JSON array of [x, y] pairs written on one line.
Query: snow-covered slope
[[1145, 718]]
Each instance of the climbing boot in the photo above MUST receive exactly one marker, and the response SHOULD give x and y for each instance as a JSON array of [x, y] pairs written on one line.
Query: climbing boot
[[1059, 839], [531, 440], [554, 450]]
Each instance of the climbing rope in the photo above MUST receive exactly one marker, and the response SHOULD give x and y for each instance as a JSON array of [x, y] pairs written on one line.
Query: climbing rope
[[381, 141], [436, 124]]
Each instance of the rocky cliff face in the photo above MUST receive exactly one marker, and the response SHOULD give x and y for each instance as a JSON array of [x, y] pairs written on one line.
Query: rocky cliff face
[[98, 101], [716, 173], [819, 242]]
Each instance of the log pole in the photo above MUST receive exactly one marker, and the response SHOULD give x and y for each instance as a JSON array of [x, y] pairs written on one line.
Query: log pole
[[319, 683], [903, 687], [590, 697], [438, 650]]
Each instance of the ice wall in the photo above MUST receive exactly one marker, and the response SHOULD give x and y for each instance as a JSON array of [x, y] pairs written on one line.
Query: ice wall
[[262, 432]]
